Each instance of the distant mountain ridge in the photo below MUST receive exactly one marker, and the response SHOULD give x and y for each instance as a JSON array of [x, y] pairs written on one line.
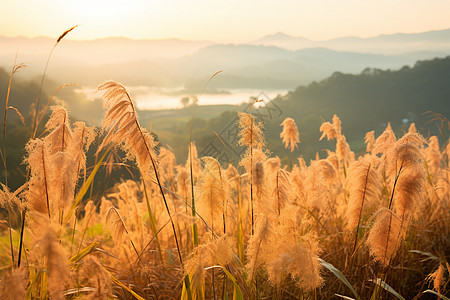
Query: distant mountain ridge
[[187, 65], [103, 50], [398, 43], [116, 49]]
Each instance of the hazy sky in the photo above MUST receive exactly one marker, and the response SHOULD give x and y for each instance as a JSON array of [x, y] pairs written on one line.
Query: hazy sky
[[226, 20]]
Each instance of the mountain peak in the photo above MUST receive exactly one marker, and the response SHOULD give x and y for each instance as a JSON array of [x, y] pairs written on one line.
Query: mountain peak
[[283, 40], [279, 34]]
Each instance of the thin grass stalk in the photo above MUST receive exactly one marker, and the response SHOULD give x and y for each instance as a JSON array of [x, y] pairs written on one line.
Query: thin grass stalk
[[10, 238], [151, 240], [136, 123], [213, 271], [390, 223], [50, 100], [213, 285], [84, 188], [186, 278], [44, 284], [34, 128], [134, 248], [61, 216], [225, 204], [33, 279], [4, 154], [21, 238], [196, 213], [194, 225], [395, 183], [251, 175], [162, 194], [45, 184], [152, 223], [224, 232], [278, 199], [379, 290], [4, 118], [95, 163], [290, 162], [155, 169], [85, 228], [224, 288], [448, 180], [240, 234], [73, 232], [360, 211]]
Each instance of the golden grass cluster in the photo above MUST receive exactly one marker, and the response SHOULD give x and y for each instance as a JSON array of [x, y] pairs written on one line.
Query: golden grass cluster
[[201, 230]]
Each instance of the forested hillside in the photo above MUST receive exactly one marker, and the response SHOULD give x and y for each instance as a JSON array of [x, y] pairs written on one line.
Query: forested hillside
[[364, 102]]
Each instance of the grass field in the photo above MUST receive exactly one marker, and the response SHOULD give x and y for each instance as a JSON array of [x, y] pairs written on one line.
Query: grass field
[[373, 226]]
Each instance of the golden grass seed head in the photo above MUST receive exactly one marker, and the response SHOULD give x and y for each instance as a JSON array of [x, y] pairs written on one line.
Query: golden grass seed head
[[328, 131], [290, 134], [437, 277], [385, 236], [13, 284], [412, 128], [385, 141], [272, 164], [364, 187], [369, 140], [250, 133]]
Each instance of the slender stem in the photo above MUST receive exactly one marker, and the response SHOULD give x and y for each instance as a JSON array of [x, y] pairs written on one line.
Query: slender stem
[[390, 216], [194, 226], [10, 238], [251, 174], [152, 223], [395, 183], [4, 118], [155, 169], [186, 278], [156, 175], [21, 238], [360, 210], [45, 183], [278, 198], [225, 204], [163, 196], [73, 232], [290, 161], [36, 108], [135, 250], [240, 230]]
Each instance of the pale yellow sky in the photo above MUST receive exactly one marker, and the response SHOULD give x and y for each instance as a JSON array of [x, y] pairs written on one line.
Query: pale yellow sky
[[226, 20]]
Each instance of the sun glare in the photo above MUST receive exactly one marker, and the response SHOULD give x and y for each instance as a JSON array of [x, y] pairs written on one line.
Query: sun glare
[[99, 10]]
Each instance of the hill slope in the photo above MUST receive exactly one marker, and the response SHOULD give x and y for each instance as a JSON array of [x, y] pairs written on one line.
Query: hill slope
[[375, 97], [364, 102]]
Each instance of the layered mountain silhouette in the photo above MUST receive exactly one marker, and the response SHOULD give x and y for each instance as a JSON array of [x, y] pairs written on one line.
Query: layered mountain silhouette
[[277, 61], [400, 43]]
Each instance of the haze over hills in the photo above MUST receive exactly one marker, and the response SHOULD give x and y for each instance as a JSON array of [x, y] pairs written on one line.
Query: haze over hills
[[364, 101], [432, 41], [100, 51], [244, 66], [182, 68]]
